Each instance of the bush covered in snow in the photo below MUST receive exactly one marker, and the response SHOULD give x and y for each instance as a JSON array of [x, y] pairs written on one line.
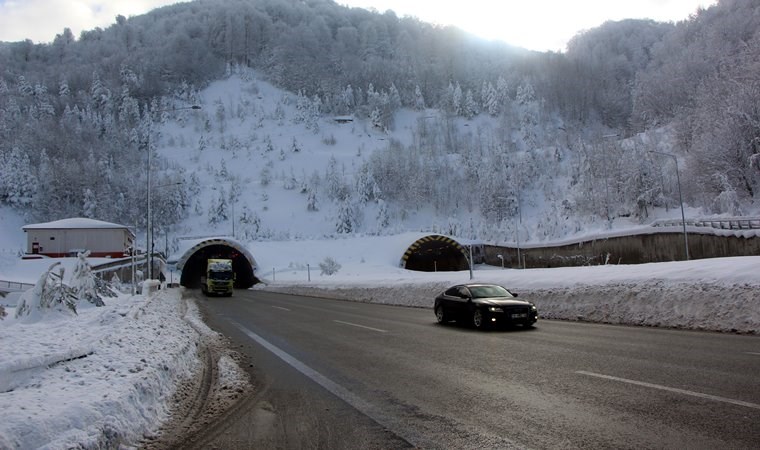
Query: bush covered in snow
[[50, 296], [329, 266]]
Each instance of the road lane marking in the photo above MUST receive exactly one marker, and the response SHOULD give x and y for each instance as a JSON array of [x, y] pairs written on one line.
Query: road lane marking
[[361, 326], [670, 389], [753, 353], [334, 388], [280, 307]]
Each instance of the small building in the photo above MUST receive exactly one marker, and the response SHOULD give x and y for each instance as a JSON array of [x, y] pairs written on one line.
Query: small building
[[67, 237], [343, 119]]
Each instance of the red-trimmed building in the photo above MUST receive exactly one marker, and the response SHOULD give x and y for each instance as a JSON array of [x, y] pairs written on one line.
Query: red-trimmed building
[[68, 237]]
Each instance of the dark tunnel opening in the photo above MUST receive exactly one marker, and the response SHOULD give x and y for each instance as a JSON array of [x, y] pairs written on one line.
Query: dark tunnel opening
[[437, 255], [195, 266]]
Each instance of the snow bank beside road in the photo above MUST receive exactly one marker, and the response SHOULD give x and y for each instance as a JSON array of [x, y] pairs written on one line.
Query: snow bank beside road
[[701, 306], [721, 294], [102, 379]]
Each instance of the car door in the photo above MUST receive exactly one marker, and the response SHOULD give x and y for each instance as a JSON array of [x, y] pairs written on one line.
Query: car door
[[461, 302], [451, 300]]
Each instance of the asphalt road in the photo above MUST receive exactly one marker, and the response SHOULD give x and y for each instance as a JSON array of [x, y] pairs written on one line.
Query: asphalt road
[[336, 374]]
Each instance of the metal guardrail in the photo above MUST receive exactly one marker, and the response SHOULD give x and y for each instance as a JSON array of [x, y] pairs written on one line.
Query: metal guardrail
[[119, 263], [729, 223], [13, 286]]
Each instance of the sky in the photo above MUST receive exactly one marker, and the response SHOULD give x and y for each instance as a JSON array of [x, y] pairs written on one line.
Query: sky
[[542, 25]]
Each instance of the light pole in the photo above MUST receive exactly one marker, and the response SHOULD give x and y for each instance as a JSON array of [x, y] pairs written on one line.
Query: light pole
[[680, 200], [152, 241], [517, 226], [149, 221]]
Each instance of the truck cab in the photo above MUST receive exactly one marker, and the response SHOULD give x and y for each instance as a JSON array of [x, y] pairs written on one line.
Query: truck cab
[[219, 278]]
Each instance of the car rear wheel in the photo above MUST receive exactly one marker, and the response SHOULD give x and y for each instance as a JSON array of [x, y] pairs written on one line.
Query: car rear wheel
[[440, 315], [478, 321]]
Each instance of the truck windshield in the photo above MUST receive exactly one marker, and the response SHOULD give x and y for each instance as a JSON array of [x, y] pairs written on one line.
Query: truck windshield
[[220, 275]]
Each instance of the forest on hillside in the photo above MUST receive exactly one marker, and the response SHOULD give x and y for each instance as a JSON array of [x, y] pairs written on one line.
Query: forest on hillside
[[79, 112]]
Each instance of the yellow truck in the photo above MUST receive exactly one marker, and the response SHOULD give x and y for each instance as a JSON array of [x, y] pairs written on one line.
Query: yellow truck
[[219, 278]]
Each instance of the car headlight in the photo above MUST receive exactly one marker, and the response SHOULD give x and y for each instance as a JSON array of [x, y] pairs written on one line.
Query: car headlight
[[533, 308], [494, 309]]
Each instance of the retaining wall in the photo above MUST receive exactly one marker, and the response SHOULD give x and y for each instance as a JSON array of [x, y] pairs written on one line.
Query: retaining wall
[[636, 249]]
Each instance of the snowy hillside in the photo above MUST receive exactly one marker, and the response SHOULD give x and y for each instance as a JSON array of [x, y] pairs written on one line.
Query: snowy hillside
[[255, 150], [263, 163]]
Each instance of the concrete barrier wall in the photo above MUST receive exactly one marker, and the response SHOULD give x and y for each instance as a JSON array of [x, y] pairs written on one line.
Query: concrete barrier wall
[[637, 249]]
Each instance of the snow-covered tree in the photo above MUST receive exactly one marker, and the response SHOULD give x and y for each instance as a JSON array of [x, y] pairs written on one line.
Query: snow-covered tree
[[217, 211], [84, 283], [250, 224], [311, 200], [346, 221], [49, 298], [329, 266], [419, 100], [89, 204], [17, 182]]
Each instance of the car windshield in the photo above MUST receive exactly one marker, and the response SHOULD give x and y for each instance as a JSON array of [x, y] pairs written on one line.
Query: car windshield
[[488, 291]]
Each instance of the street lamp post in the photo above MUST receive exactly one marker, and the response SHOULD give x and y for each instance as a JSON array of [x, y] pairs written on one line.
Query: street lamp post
[[680, 200], [517, 226], [152, 232], [149, 224]]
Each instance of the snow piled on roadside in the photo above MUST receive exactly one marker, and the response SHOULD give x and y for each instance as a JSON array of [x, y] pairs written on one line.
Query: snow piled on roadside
[[720, 294], [102, 379]]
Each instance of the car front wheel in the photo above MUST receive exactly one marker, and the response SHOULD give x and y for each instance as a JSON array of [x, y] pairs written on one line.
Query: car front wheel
[[440, 315], [478, 321]]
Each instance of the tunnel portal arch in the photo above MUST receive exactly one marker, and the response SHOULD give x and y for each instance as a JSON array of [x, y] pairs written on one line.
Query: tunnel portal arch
[[435, 253], [193, 262]]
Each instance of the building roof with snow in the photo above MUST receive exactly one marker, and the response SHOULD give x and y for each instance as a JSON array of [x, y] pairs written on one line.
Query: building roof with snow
[[74, 223]]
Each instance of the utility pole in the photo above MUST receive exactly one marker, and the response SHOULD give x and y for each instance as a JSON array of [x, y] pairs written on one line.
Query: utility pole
[[680, 200]]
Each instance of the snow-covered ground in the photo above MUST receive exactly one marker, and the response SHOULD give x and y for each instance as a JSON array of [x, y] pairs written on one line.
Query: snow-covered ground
[[106, 375], [721, 294], [101, 379]]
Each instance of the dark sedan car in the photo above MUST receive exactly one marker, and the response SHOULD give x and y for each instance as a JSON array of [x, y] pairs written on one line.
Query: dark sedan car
[[482, 305]]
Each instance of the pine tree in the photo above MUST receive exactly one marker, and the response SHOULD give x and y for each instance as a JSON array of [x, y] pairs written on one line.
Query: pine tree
[[311, 201], [217, 212], [346, 221], [17, 182], [469, 107], [250, 223], [383, 218], [89, 204], [419, 100]]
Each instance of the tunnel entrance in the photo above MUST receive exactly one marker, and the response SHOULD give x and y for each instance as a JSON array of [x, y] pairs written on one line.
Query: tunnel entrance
[[435, 253], [193, 262]]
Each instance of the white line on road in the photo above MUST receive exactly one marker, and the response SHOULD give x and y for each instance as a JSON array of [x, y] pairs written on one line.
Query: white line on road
[[334, 388], [753, 353], [280, 307], [361, 326], [670, 389]]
